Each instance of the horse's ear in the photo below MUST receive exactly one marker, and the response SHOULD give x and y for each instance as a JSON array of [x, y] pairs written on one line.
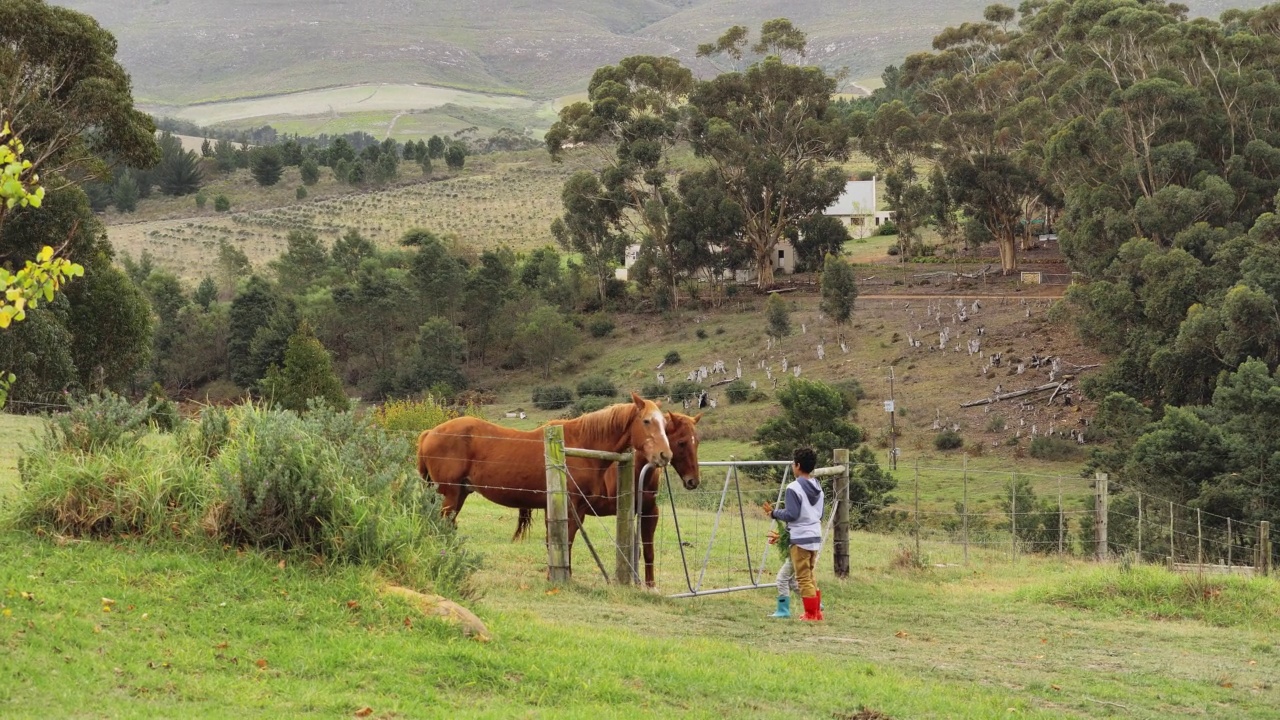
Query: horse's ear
[[696, 418], [639, 401]]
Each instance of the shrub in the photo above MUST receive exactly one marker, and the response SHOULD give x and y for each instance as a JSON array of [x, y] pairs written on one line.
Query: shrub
[[738, 392], [552, 397], [653, 390], [852, 391], [201, 199], [894, 250], [671, 358], [221, 203], [597, 385], [588, 403], [887, 228], [412, 415], [701, 333], [203, 439], [1052, 448], [600, 326], [996, 423], [947, 440], [301, 193], [684, 390], [163, 413], [98, 422]]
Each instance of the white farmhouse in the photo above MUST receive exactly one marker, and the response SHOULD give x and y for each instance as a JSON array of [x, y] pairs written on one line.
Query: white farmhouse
[[856, 208]]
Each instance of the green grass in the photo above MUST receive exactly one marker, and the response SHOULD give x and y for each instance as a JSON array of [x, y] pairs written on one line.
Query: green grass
[[15, 431]]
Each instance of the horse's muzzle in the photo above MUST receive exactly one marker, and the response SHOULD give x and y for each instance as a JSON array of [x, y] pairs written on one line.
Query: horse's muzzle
[[663, 459], [691, 482]]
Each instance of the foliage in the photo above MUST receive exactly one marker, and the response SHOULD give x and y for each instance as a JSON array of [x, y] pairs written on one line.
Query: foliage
[[221, 203], [412, 416], [597, 385], [179, 170], [738, 392], [437, 358], [72, 100], [552, 397], [98, 422], [124, 193], [887, 228], [307, 374], [817, 238], [111, 328], [671, 358], [251, 310], [300, 193], [947, 440], [777, 317], [162, 412], [266, 166], [455, 156], [600, 326], [546, 337], [204, 438], [813, 414], [589, 403], [839, 289], [309, 171], [869, 487], [1036, 522], [1045, 447], [684, 390]]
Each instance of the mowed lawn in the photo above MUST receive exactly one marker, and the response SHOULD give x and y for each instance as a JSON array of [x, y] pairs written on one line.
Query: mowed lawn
[[117, 628]]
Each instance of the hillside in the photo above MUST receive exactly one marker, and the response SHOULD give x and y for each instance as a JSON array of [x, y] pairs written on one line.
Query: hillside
[[181, 52]]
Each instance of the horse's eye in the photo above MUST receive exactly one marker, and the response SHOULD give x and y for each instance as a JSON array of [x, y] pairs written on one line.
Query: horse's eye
[[646, 422]]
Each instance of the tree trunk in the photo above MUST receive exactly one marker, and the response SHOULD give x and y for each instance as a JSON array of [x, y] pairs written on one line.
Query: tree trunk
[[1008, 252], [764, 268]]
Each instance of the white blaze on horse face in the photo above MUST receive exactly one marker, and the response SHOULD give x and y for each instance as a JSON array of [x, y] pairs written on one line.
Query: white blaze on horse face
[[662, 429]]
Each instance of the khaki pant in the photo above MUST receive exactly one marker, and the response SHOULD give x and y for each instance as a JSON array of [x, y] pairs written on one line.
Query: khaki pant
[[802, 561]]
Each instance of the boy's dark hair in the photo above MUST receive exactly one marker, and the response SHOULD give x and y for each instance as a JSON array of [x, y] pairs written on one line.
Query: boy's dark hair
[[806, 458]]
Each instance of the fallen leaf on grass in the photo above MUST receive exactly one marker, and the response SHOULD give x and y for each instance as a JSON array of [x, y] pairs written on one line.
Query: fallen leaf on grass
[[220, 646], [901, 634], [1253, 662], [353, 605], [364, 711], [108, 602], [28, 596], [553, 591], [408, 622], [261, 663], [1056, 687], [6, 612], [97, 628], [280, 564], [1227, 684]]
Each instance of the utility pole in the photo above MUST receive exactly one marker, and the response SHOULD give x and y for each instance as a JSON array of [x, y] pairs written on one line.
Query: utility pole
[[893, 427]]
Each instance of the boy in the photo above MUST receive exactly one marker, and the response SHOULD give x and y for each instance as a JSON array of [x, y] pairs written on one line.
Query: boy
[[802, 513]]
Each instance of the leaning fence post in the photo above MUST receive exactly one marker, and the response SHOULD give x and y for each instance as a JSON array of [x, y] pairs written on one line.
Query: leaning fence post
[[840, 489], [1172, 554], [1199, 543], [1230, 554], [624, 564], [1264, 547], [557, 505], [1100, 516]]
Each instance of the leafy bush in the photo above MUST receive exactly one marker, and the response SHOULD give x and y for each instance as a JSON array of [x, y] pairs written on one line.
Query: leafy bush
[[597, 385], [947, 440], [738, 392], [653, 390], [412, 415], [201, 199], [588, 403], [204, 438], [163, 414], [301, 193], [671, 358], [99, 422], [600, 326], [331, 484], [221, 203], [552, 397], [701, 333], [852, 391], [996, 423], [887, 228], [684, 390], [1052, 448]]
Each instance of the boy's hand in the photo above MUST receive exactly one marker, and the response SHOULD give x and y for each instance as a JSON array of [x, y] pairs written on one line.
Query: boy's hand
[[768, 508], [773, 537]]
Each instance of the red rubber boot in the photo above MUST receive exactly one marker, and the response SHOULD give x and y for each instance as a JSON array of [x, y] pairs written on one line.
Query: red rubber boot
[[811, 611]]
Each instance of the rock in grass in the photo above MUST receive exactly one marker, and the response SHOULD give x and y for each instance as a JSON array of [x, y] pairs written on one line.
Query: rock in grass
[[450, 611]]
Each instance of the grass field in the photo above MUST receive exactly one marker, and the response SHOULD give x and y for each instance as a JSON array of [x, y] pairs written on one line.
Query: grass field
[[218, 633]]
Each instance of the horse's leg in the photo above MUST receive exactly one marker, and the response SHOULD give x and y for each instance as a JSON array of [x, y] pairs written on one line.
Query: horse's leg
[[648, 525]]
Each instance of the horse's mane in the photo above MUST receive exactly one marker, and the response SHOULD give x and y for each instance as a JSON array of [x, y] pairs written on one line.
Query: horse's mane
[[604, 425]]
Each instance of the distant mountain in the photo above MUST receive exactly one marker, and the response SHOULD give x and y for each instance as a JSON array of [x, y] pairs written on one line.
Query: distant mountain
[[186, 51]]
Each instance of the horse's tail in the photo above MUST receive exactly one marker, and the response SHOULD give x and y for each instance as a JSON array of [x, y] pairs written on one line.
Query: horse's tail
[[422, 456], [522, 524]]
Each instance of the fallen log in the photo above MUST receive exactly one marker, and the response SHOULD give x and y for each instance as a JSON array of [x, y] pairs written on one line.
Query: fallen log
[[443, 608], [1017, 393]]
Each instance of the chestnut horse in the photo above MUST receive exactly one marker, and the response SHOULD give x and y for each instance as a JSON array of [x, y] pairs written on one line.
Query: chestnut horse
[[508, 467], [683, 437]]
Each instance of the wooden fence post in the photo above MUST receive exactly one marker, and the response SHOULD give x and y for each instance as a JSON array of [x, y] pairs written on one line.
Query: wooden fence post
[[1100, 516], [624, 564], [1199, 543], [558, 569], [840, 488], [917, 523], [1264, 548], [1013, 518]]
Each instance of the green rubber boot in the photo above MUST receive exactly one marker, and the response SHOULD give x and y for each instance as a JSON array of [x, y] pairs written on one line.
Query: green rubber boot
[[784, 607]]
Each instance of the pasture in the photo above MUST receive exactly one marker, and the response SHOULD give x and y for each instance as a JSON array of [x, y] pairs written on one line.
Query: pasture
[[197, 630]]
